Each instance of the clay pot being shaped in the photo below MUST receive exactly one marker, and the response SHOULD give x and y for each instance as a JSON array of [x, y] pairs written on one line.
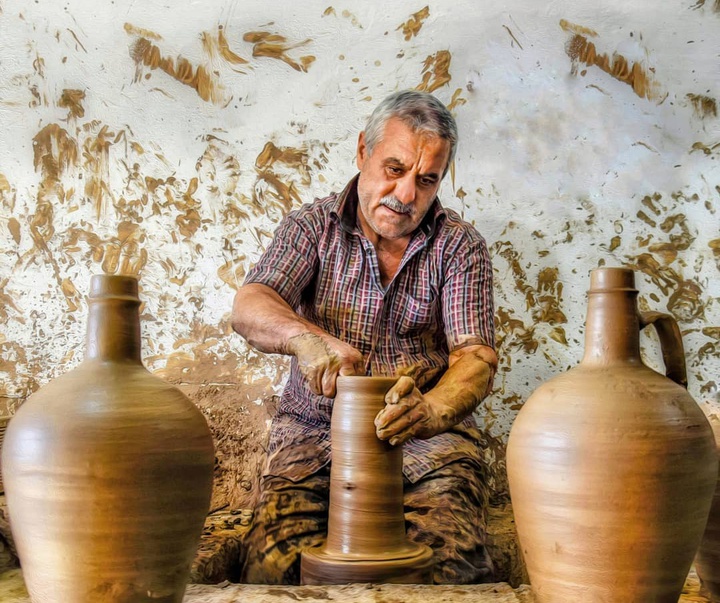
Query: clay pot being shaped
[[612, 466], [366, 523], [707, 562], [108, 471]]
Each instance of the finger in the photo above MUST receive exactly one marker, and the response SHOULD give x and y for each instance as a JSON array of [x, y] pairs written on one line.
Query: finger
[[403, 387], [399, 425], [391, 412], [405, 435], [352, 369], [313, 377], [329, 382], [355, 363], [489, 384], [402, 437], [329, 377]]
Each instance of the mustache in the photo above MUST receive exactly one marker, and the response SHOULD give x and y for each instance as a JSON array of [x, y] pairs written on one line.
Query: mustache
[[395, 204]]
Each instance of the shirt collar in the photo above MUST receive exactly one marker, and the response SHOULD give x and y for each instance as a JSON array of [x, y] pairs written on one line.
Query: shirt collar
[[346, 211]]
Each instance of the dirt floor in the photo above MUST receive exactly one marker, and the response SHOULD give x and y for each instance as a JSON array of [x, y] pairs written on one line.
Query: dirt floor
[[12, 590]]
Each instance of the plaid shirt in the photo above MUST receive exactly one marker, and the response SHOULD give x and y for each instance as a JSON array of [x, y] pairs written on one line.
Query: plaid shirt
[[323, 266]]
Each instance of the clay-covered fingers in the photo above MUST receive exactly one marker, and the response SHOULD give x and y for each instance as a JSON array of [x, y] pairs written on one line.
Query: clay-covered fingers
[[415, 421], [403, 409], [402, 389], [346, 361], [397, 423], [328, 376], [351, 363], [354, 365], [321, 358], [314, 377]]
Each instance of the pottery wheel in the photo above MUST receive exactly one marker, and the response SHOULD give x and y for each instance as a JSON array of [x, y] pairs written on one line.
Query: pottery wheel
[[412, 564]]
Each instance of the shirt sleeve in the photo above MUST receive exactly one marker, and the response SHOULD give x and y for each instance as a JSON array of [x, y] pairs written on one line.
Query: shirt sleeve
[[467, 297], [289, 263]]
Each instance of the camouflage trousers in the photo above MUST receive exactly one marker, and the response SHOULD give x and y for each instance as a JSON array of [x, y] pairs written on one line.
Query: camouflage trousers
[[445, 509]]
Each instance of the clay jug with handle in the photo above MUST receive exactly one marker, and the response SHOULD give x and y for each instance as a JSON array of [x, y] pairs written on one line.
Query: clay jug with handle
[[108, 471], [707, 562], [611, 465]]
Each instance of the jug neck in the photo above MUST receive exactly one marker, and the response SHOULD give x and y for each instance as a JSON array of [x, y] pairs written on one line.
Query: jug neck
[[612, 328], [113, 327]]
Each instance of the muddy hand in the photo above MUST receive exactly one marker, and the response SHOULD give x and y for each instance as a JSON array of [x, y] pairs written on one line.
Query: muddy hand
[[407, 414], [321, 358]]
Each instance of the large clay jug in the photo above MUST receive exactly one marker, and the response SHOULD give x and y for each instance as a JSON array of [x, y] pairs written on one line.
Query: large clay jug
[[707, 562], [366, 539], [108, 471], [611, 465]]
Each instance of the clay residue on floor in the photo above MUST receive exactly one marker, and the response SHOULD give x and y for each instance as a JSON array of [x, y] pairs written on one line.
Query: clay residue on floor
[[238, 416]]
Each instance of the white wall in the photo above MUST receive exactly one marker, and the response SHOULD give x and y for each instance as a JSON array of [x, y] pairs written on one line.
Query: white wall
[[109, 164]]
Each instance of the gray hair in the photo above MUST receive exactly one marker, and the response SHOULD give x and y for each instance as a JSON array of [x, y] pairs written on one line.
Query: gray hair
[[421, 111]]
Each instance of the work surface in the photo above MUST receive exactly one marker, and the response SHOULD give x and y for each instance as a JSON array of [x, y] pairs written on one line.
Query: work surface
[[12, 590]]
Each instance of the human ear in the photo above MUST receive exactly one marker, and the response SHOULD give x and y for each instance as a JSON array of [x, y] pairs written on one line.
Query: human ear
[[361, 151]]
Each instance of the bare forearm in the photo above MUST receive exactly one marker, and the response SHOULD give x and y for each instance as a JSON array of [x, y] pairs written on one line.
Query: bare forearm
[[409, 413], [265, 319], [270, 325], [465, 383]]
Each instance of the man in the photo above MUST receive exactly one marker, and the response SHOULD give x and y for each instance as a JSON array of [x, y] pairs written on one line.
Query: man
[[378, 280]]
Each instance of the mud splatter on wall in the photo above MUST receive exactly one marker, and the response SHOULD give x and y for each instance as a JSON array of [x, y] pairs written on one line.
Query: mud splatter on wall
[[583, 52], [169, 143]]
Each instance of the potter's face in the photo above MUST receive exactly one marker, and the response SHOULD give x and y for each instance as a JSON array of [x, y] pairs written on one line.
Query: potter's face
[[399, 181]]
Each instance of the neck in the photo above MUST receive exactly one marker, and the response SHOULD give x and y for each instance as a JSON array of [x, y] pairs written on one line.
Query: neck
[[613, 326], [113, 329]]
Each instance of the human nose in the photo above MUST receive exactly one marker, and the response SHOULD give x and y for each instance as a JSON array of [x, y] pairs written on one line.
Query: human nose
[[405, 189]]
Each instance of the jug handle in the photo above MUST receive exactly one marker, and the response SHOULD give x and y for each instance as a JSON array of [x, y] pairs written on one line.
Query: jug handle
[[671, 344]]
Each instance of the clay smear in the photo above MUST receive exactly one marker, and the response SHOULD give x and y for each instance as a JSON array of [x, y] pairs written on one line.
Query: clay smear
[[581, 50], [144, 52]]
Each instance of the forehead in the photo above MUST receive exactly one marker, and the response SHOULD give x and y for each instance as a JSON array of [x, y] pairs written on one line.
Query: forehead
[[400, 141]]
